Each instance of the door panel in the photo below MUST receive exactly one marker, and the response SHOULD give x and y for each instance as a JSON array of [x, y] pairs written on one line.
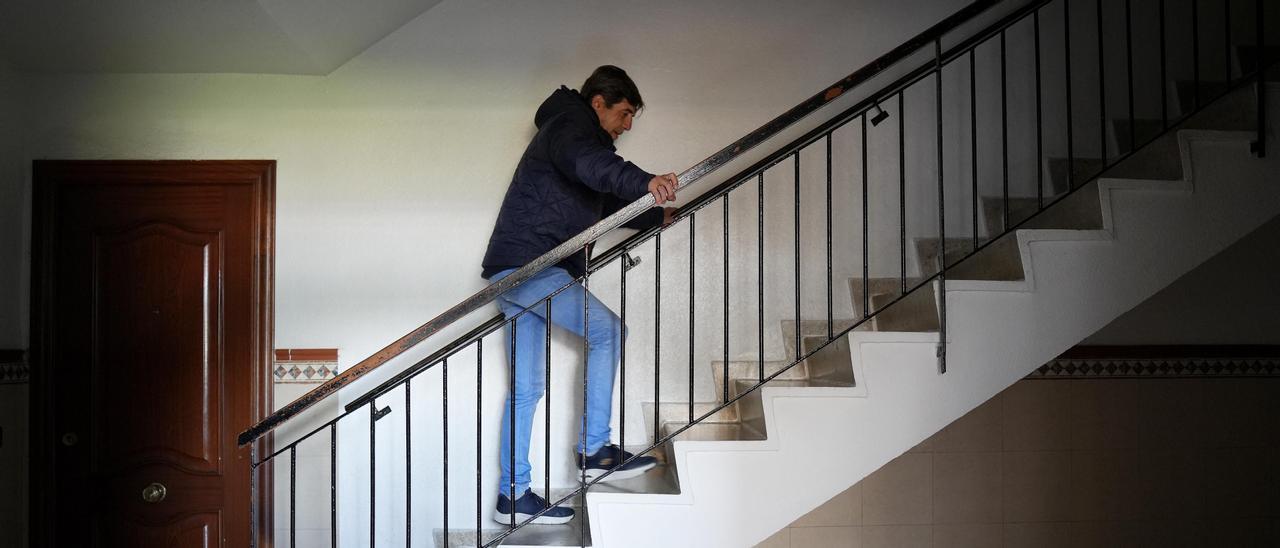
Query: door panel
[[154, 335], [156, 301]]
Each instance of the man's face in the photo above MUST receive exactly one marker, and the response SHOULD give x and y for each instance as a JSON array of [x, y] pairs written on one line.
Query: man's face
[[614, 119]]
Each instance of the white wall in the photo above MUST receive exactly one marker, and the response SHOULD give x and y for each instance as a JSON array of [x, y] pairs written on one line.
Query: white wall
[[1228, 300]]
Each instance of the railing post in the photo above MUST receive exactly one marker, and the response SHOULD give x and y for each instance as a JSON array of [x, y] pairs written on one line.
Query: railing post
[[942, 206], [546, 389], [254, 500], [866, 253], [1259, 146], [1164, 74], [799, 328], [408, 466], [1035, 20], [1071, 154], [973, 140], [902, 195], [657, 338], [293, 496], [830, 313], [479, 431], [759, 280], [444, 450], [1102, 89], [725, 297], [692, 317]]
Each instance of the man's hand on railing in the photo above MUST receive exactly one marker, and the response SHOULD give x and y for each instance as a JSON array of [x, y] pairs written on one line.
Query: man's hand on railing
[[663, 188]]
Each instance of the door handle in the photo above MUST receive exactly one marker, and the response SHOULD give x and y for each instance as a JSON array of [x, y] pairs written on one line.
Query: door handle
[[154, 493]]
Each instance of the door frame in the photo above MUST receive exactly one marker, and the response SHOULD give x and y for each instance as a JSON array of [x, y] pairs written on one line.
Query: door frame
[[48, 177]]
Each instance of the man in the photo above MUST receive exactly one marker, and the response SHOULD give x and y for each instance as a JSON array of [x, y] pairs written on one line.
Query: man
[[567, 180]]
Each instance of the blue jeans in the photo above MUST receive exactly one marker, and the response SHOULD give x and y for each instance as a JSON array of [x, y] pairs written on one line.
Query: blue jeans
[[604, 333]]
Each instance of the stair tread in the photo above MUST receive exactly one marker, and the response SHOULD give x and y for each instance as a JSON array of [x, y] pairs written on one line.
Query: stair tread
[[714, 431]]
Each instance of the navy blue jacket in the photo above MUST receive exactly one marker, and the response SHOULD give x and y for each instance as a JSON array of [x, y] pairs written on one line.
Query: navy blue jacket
[[568, 179]]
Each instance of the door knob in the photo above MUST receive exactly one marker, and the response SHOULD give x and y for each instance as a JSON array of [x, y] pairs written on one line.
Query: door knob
[[154, 493], [70, 439]]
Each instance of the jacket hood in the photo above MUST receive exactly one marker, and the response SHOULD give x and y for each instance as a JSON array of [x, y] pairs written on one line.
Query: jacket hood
[[564, 101]]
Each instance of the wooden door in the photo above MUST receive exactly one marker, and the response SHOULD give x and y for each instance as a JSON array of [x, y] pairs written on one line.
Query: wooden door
[[153, 323]]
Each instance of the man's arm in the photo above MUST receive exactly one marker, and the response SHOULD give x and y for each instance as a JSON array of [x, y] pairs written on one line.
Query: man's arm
[[601, 169], [654, 216]]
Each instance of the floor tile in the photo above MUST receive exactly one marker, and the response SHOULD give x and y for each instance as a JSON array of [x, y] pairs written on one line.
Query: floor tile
[[967, 487], [900, 493]]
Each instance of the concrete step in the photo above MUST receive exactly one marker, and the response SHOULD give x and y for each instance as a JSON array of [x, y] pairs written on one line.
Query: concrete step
[[751, 370], [1000, 260], [917, 311], [1081, 170], [1079, 211], [1247, 59], [713, 431]]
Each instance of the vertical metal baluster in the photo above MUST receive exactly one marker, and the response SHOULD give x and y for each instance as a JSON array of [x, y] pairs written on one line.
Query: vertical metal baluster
[[866, 253], [1164, 78], [622, 353], [1260, 146], [1004, 135], [726, 283], [973, 139], [333, 485], [692, 317], [511, 424], [293, 495], [408, 467], [796, 156], [1066, 37], [657, 331], [1128, 46], [1226, 41], [586, 370], [902, 194], [373, 478], [759, 276], [479, 398], [546, 402], [1195, 50], [942, 207], [444, 445], [253, 495], [1035, 19], [831, 334], [1102, 90]]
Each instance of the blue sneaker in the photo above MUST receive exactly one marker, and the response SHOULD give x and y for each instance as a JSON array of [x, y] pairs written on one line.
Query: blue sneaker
[[526, 506], [611, 457]]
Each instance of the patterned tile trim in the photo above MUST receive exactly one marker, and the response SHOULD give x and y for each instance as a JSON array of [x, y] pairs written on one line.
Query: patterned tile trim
[[13, 367], [1158, 368], [305, 372], [14, 373], [305, 366]]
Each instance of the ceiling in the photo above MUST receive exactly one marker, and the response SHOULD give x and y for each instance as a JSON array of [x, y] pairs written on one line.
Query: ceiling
[[195, 36]]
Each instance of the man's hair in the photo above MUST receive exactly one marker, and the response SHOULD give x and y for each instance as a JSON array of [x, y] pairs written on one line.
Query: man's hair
[[613, 84]]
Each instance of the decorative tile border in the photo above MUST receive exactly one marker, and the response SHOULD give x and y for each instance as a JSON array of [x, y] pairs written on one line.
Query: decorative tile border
[[1157, 368], [13, 367], [305, 365]]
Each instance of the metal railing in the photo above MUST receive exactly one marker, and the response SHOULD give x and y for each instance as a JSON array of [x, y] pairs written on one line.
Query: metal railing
[[925, 64]]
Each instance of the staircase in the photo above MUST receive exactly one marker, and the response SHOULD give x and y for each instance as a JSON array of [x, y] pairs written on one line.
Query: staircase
[[874, 394], [1105, 224]]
